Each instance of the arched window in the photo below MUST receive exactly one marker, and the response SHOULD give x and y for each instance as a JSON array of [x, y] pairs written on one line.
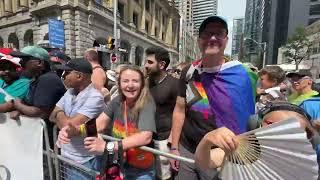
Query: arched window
[[13, 40], [28, 38], [138, 56]]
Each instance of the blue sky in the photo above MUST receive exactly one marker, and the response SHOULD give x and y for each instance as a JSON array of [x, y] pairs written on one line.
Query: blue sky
[[230, 9]]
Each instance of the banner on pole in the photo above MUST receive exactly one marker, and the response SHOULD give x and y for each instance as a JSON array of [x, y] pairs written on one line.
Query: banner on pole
[[21, 148]]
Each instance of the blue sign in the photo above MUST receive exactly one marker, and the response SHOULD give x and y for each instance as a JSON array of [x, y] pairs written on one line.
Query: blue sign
[[56, 33]]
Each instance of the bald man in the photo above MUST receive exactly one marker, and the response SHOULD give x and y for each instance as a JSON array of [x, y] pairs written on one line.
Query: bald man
[[98, 77], [226, 140]]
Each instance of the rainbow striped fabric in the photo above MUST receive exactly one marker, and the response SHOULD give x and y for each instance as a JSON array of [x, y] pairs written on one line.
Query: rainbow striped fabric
[[227, 94], [119, 130]]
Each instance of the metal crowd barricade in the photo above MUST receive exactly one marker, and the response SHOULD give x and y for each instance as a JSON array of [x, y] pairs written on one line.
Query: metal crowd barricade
[[70, 169], [47, 155], [154, 151], [65, 168]]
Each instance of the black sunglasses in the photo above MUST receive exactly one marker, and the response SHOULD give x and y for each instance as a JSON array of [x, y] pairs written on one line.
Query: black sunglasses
[[178, 71]]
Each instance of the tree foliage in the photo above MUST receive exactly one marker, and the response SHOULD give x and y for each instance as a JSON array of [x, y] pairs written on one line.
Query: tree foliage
[[297, 47]]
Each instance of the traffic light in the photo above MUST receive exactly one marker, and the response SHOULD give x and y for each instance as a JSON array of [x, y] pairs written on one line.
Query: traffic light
[[113, 58], [110, 43]]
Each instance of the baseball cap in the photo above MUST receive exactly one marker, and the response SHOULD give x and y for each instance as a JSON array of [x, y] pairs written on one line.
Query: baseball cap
[[13, 60], [213, 19], [80, 65], [60, 55], [5, 51], [32, 51], [301, 73]]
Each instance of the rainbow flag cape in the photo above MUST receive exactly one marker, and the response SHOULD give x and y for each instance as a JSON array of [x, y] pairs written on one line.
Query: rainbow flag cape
[[228, 94]]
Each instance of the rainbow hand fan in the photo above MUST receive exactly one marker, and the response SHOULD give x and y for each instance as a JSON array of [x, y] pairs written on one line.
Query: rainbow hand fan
[[278, 151]]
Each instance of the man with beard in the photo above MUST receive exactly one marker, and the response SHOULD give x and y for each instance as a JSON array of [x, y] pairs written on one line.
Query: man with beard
[[164, 89], [214, 93]]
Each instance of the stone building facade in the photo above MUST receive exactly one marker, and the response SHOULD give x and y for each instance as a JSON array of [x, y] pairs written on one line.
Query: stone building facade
[[142, 23]]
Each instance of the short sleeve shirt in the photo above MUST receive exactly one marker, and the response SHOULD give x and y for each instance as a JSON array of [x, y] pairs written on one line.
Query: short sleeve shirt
[[90, 103], [45, 91], [18, 89], [165, 95], [297, 99], [144, 122]]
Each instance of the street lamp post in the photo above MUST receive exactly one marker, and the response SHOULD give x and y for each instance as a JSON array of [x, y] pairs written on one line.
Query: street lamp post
[[262, 46], [115, 34]]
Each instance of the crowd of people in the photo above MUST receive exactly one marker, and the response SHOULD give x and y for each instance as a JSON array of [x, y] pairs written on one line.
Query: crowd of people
[[194, 110]]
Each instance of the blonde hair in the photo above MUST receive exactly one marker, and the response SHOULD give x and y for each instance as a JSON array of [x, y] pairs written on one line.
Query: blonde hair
[[144, 95]]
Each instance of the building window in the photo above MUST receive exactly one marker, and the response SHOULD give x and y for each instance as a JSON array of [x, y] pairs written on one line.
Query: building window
[[158, 12], [315, 9], [135, 19], [147, 5], [121, 10], [156, 32], [147, 27], [164, 20]]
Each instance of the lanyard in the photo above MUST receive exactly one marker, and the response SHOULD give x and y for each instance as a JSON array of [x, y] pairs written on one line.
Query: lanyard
[[125, 118]]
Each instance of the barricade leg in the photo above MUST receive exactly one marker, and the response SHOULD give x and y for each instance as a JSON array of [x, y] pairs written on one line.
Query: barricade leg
[[47, 152]]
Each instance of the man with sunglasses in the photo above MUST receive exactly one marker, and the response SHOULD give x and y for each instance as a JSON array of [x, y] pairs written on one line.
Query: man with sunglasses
[[301, 81], [81, 103], [214, 92], [11, 82], [45, 90]]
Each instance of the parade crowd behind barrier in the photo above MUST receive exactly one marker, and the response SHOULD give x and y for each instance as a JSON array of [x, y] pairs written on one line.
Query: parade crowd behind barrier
[[27, 154]]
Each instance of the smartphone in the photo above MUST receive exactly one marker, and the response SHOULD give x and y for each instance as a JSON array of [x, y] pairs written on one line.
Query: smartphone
[[91, 128]]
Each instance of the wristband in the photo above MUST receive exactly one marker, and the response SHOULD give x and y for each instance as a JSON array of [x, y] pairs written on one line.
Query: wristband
[[173, 149], [82, 130]]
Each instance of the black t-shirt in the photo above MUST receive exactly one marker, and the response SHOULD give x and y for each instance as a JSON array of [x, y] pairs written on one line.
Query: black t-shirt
[[165, 95], [196, 123], [45, 91]]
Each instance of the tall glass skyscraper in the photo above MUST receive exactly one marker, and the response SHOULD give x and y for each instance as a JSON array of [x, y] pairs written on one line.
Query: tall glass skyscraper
[[203, 9]]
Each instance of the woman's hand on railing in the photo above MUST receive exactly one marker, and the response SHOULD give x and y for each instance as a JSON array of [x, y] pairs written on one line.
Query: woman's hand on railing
[[95, 145]]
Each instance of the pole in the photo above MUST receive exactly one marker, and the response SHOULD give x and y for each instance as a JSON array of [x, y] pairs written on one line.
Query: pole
[[115, 9], [154, 151], [241, 52], [264, 54]]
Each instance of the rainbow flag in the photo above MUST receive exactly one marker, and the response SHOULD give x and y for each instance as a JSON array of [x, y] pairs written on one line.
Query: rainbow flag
[[228, 95]]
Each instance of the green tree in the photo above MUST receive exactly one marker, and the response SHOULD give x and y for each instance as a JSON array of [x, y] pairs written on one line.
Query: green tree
[[297, 47]]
